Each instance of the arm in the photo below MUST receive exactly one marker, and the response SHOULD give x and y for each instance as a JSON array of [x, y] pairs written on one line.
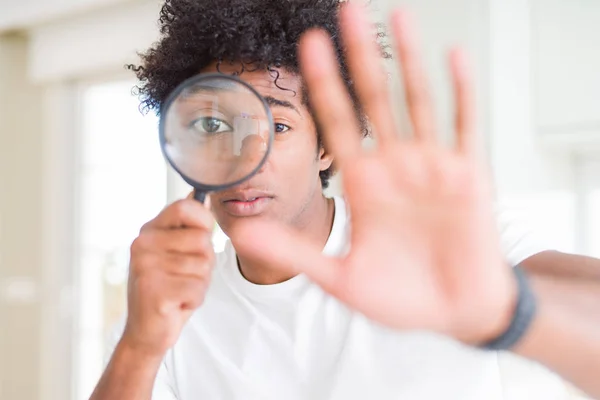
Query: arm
[[454, 278], [129, 375], [565, 336], [169, 273]]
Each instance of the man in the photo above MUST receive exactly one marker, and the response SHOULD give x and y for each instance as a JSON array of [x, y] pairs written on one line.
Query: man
[[299, 306]]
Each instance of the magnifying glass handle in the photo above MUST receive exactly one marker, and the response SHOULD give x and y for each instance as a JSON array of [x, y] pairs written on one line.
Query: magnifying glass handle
[[200, 196]]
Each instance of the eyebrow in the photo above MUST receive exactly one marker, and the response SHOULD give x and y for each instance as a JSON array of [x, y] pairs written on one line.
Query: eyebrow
[[215, 88], [272, 101]]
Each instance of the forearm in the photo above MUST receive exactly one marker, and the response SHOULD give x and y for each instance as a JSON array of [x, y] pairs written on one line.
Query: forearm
[[565, 335], [130, 375]]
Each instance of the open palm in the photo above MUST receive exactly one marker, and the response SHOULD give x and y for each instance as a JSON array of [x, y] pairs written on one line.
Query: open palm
[[424, 250]]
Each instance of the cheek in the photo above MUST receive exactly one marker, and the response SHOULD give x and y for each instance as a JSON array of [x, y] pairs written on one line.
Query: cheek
[[296, 157]]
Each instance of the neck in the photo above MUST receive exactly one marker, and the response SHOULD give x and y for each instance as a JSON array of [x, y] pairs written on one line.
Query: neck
[[314, 224]]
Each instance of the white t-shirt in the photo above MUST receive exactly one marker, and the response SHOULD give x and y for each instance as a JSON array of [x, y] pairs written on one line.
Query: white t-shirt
[[293, 341]]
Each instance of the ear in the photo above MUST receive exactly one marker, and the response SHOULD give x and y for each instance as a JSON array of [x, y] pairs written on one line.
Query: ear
[[325, 159]]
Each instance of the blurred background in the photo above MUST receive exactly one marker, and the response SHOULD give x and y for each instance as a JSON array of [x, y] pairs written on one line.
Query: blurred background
[[81, 169]]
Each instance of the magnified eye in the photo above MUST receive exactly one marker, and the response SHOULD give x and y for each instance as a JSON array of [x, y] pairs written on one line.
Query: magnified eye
[[281, 128], [210, 125]]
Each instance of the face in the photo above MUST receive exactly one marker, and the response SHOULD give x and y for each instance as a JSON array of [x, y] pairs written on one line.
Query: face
[[287, 187]]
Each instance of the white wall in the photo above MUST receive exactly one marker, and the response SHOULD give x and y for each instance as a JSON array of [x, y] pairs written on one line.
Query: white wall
[[521, 166], [26, 13], [20, 215], [37, 71], [58, 268], [567, 81], [87, 45]]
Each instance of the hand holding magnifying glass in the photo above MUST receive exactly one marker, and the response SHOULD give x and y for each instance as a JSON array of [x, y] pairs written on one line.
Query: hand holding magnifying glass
[[216, 131]]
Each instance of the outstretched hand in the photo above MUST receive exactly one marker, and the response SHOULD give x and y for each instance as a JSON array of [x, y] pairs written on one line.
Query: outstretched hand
[[425, 253]]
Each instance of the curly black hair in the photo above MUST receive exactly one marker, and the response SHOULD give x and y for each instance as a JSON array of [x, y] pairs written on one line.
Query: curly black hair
[[263, 34]]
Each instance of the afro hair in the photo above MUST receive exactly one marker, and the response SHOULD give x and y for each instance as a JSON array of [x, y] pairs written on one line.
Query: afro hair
[[263, 34]]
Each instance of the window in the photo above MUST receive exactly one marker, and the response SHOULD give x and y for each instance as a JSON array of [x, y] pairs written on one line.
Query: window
[[123, 184], [590, 191]]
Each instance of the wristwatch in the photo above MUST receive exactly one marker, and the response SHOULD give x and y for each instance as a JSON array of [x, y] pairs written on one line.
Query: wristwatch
[[523, 316]]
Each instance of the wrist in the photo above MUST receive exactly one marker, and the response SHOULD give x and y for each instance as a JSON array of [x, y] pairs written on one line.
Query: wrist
[[521, 314], [130, 374], [504, 317], [130, 350], [490, 324]]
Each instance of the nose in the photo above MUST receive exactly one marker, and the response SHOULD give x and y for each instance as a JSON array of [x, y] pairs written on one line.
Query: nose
[[253, 146]]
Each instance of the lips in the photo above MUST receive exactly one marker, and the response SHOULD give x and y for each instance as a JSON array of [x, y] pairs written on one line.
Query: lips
[[246, 203], [246, 196]]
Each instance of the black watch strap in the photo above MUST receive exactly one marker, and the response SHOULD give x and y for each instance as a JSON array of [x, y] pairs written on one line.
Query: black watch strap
[[524, 314]]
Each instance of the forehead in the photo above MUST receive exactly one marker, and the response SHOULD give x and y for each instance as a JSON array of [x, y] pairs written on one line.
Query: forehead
[[278, 83]]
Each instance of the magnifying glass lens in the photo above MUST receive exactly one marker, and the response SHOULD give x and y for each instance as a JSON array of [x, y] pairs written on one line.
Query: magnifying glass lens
[[217, 131]]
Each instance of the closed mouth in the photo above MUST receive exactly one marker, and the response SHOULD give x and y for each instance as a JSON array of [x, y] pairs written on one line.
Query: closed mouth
[[244, 200], [246, 197]]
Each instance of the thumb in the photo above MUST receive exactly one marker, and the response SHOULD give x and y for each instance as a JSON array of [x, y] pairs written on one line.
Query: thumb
[[279, 247]]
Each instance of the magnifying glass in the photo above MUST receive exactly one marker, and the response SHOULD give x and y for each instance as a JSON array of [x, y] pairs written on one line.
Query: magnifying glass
[[216, 131]]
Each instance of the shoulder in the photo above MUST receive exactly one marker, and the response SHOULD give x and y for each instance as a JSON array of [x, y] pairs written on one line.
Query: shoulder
[[520, 236]]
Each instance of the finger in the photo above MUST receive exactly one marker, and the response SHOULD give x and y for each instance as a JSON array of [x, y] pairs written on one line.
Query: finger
[[181, 293], [329, 98], [183, 213], [364, 58], [185, 265], [287, 251], [185, 241], [466, 139], [418, 99], [180, 265]]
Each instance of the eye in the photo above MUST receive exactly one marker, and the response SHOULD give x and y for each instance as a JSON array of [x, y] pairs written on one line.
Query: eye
[[210, 125], [281, 128]]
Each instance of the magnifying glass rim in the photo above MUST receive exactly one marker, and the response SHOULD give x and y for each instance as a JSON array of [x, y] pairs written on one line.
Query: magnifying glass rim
[[163, 140]]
